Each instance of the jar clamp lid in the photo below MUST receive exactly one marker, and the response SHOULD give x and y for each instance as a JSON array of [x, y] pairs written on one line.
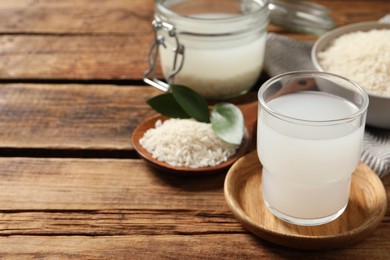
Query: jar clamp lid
[[158, 24]]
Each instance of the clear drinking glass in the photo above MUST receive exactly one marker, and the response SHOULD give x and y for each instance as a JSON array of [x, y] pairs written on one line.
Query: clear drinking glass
[[310, 132]]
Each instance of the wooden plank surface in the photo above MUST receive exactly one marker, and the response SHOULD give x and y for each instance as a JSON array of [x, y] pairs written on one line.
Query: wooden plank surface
[[89, 39], [98, 184], [104, 40], [211, 246], [112, 17], [69, 208], [71, 116], [74, 116], [95, 208], [74, 57], [123, 17]]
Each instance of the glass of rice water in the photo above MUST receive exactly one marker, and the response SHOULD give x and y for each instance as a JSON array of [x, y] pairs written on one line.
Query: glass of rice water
[[310, 133]]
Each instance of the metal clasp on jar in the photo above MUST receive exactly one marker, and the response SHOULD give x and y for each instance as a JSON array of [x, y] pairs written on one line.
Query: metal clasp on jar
[[159, 40]]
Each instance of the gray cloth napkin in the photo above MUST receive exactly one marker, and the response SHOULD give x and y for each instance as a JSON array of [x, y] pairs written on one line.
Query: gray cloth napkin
[[284, 54]]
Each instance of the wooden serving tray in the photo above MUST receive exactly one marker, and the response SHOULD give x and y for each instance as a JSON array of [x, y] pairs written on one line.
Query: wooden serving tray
[[366, 208]]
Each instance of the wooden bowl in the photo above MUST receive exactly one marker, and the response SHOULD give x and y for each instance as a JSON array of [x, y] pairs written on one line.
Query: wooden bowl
[[150, 123], [365, 211]]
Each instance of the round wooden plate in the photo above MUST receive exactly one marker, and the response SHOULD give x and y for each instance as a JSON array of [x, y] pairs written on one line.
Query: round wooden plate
[[150, 123], [366, 208]]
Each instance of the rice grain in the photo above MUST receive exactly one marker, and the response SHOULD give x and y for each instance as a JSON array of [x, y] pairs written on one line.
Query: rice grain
[[187, 143], [363, 57]]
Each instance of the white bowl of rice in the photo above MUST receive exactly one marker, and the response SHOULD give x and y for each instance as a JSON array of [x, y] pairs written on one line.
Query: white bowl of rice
[[360, 52]]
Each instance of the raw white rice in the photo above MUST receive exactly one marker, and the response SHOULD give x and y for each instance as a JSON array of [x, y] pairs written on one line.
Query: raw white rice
[[363, 57], [186, 142]]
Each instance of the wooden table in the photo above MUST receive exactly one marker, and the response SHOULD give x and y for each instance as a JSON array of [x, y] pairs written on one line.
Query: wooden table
[[71, 185]]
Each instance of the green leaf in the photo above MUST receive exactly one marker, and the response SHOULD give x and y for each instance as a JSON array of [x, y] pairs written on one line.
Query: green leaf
[[166, 105], [192, 103], [227, 122]]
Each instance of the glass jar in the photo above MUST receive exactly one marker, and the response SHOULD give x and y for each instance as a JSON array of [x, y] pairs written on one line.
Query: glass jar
[[214, 47]]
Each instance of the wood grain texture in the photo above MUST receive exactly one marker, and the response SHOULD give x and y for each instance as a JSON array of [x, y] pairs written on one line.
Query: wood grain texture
[[89, 208], [346, 12], [76, 16], [99, 184], [211, 246], [87, 39], [95, 39], [119, 222], [119, 16], [71, 116], [49, 116], [74, 57]]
